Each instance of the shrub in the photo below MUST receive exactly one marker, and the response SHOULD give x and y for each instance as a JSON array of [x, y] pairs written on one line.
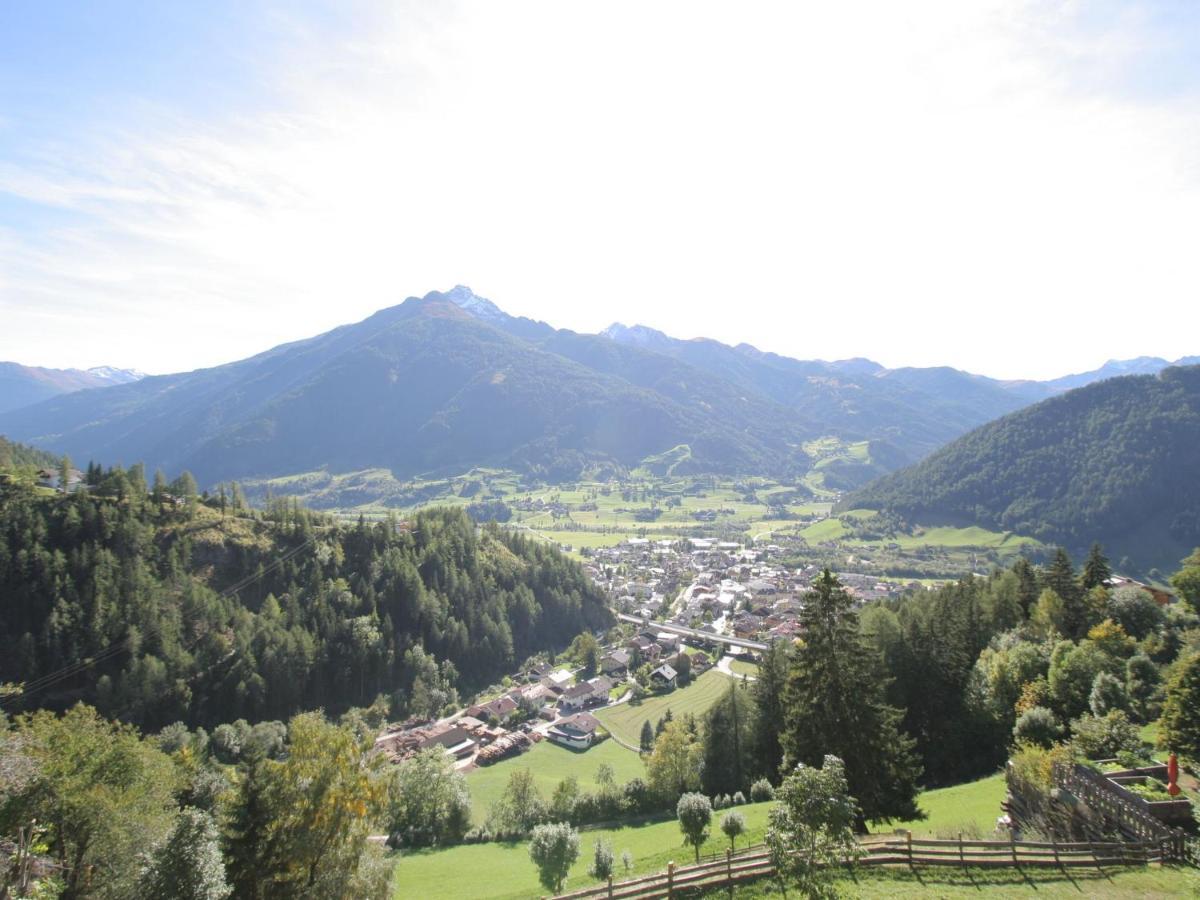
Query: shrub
[[718, 802], [1037, 726], [739, 798], [602, 860], [762, 791], [638, 796], [733, 824], [1108, 693], [1104, 737]]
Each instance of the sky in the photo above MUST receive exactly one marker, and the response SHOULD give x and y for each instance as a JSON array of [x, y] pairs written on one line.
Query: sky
[[1008, 188]]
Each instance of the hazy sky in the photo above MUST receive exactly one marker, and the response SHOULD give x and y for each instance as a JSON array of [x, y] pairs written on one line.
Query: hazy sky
[[1009, 188]]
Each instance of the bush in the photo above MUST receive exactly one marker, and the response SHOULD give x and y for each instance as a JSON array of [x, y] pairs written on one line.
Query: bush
[[718, 802], [602, 860], [638, 796], [739, 798], [762, 791], [1038, 727], [1108, 693], [1105, 737]]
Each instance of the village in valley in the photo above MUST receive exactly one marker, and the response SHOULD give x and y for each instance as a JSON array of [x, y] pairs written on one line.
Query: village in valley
[[684, 607]]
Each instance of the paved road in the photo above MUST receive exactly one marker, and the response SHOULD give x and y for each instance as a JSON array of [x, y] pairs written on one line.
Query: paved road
[[694, 633]]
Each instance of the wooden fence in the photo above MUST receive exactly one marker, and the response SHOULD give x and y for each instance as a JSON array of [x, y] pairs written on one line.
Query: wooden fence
[[897, 850]]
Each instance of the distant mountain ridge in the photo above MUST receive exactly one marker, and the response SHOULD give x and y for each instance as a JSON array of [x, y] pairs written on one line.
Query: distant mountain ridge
[[450, 381], [1115, 461], [25, 385]]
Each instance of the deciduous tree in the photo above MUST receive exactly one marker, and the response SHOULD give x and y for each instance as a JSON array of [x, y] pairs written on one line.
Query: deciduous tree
[[554, 849]]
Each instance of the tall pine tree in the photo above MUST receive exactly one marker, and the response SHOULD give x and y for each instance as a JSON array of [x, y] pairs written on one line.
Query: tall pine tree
[[1096, 570], [1059, 576], [835, 705], [728, 731]]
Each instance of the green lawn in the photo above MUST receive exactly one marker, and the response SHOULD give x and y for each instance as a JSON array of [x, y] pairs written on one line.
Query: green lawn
[[825, 530], [504, 872], [1043, 884], [550, 763], [964, 807], [626, 720], [743, 667], [973, 536]]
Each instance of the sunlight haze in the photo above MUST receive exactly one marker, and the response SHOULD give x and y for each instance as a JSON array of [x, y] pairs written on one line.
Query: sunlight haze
[[1007, 188]]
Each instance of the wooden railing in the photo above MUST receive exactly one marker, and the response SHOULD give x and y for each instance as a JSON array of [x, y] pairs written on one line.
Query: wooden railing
[[898, 850], [1128, 813]]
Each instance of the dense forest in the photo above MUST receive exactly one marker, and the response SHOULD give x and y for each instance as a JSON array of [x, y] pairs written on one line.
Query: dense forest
[[18, 456], [1115, 461], [157, 605]]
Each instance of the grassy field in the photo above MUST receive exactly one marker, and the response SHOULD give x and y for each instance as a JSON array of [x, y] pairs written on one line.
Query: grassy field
[[1043, 884], [973, 536], [550, 763], [504, 872], [743, 667], [626, 720], [971, 808]]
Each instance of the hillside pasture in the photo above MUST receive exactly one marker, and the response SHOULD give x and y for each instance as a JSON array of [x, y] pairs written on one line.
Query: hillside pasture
[[550, 763], [626, 720]]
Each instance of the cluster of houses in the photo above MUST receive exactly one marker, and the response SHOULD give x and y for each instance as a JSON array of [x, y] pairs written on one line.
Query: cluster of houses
[[660, 649], [717, 586]]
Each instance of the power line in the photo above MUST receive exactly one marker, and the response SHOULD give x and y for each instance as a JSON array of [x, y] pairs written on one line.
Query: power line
[[113, 650]]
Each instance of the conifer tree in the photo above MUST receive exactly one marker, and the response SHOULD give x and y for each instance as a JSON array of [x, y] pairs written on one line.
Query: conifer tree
[[1059, 576], [646, 742], [835, 705], [728, 730], [768, 692], [1096, 570]]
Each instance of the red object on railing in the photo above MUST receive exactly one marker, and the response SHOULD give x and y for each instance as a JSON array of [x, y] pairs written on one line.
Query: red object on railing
[[1173, 775]]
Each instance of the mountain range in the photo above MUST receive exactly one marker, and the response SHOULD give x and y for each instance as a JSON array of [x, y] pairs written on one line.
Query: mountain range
[[450, 381], [1115, 461], [26, 385]]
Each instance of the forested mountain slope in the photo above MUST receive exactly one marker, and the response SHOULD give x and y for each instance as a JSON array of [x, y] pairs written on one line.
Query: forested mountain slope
[[204, 613], [448, 382], [419, 387], [1117, 461]]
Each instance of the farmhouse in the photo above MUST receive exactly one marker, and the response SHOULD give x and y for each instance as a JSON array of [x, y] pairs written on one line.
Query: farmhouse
[[578, 732], [664, 675], [496, 709], [615, 663]]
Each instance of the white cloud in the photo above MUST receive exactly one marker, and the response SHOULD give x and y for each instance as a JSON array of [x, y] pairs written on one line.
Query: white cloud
[[952, 184]]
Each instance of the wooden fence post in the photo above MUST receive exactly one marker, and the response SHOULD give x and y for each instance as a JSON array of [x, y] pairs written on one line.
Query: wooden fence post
[[962, 858], [1012, 844], [908, 840], [729, 863], [610, 887], [1054, 844], [670, 879]]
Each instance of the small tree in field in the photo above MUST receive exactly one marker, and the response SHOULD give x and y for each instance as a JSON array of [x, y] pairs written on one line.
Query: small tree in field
[[733, 824], [646, 741], [602, 860], [695, 816], [811, 827], [627, 861], [554, 849]]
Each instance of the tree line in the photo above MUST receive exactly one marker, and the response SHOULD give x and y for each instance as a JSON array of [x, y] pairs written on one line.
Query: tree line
[[157, 604]]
